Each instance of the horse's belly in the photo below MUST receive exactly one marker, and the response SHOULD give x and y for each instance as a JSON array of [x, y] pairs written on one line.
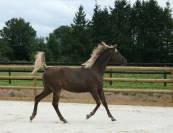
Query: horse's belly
[[75, 87], [77, 90]]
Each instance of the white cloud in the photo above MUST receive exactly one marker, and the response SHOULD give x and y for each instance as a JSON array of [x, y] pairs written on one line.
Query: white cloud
[[46, 15]]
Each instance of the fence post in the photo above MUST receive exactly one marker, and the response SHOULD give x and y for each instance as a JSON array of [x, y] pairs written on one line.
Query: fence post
[[172, 84], [165, 77], [110, 75], [34, 85], [9, 74]]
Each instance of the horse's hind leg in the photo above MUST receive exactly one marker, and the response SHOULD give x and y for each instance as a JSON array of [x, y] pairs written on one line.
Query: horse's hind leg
[[96, 98], [103, 100], [38, 98], [56, 96]]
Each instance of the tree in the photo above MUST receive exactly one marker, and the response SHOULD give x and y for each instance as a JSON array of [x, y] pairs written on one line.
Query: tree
[[79, 20], [137, 25], [101, 26], [121, 26], [5, 51], [81, 39], [19, 36], [54, 47], [152, 31], [59, 44], [167, 39], [40, 44], [149, 27]]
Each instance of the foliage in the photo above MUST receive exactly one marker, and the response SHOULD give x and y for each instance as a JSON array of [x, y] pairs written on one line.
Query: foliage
[[81, 40], [143, 32], [101, 26], [39, 44], [150, 25], [19, 36], [71, 43], [5, 51], [121, 26]]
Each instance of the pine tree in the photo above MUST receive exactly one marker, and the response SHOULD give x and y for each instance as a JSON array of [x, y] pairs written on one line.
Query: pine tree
[[137, 27], [81, 40], [101, 26], [79, 20], [152, 31], [121, 26], [149, 31], [167, 34]]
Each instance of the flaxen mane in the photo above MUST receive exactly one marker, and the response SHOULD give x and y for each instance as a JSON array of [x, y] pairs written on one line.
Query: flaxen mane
[[95, 54]]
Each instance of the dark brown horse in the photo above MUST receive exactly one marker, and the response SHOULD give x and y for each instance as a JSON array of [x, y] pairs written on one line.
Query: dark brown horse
[[87, 78]]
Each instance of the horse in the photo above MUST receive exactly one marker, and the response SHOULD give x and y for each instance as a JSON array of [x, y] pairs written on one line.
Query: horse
[[87, 78]]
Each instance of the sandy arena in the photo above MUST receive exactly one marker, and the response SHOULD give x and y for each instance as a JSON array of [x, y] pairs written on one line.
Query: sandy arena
[[14, 118]]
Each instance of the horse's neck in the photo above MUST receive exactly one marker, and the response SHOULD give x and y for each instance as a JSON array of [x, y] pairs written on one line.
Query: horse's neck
[[100, 64]]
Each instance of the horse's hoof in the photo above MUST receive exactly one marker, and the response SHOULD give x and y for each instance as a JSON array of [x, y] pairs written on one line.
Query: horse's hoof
[[113, 119], [65, 121], [88, 116], [31, 118]]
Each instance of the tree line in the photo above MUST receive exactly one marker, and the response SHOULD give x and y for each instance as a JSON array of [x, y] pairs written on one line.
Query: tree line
[[143, 32]]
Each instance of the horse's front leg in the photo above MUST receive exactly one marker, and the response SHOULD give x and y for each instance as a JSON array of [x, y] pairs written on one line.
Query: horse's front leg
[[96, 98], [103, 100]]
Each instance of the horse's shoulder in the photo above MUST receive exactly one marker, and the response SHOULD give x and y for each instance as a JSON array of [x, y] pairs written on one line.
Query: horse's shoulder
[[92, 74]]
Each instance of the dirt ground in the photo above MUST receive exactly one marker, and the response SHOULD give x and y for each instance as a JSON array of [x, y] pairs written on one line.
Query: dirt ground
[[14, 118], [112, 98]]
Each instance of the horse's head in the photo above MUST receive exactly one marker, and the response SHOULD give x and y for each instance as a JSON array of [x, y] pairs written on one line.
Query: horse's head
[[115, 57], [104, 54]]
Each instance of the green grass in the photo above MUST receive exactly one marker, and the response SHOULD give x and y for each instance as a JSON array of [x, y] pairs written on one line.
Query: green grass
[[119, 85], [18, 82]]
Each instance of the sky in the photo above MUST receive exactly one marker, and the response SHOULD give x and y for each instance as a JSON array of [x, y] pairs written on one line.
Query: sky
[[46, 15]]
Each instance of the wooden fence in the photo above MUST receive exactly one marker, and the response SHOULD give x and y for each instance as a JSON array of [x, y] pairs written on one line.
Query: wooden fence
[[122, 69]]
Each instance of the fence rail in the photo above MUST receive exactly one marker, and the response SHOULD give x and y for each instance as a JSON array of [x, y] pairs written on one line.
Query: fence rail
[[111, 69], [116, 68], [106, 89], [140, 80], [105, 79]]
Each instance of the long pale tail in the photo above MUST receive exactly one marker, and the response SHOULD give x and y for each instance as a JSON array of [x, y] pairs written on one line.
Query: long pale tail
[[39, 62]]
